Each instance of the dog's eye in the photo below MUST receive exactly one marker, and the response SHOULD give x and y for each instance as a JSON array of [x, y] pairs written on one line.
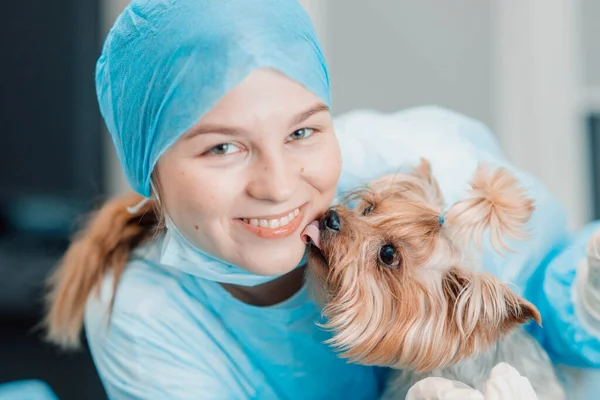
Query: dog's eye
[[368, 209], [388, 256]]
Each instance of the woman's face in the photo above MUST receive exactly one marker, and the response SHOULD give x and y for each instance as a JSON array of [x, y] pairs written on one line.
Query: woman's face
[[245, 181]]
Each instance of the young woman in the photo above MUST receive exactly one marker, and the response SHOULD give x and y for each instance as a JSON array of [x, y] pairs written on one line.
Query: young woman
[[219, 112]]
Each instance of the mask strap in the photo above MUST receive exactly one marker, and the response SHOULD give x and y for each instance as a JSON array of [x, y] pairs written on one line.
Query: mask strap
[[135, 209], [154, 191]]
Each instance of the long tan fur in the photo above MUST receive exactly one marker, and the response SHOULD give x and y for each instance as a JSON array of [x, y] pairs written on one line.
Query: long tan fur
[[496, 202], [103, 245], [432, 309]]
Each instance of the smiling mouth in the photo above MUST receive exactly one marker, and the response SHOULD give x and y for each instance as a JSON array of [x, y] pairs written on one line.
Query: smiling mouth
[[274, 226], [273, 223]]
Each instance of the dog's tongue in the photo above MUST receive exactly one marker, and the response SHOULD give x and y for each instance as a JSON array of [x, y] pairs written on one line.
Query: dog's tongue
[[311, 234]]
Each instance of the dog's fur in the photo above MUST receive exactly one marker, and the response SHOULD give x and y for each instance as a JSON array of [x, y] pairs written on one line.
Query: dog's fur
[[431, 313]]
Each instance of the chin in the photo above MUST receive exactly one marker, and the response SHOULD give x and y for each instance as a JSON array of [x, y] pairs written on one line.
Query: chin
[[274, 263]]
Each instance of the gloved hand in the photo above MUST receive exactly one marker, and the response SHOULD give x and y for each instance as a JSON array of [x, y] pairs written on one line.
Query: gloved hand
[[505, 383], [591, 282], [434, 388]]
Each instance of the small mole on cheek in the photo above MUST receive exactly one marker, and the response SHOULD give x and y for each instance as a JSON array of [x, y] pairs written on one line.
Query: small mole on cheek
[[196, 226], [301, 169]]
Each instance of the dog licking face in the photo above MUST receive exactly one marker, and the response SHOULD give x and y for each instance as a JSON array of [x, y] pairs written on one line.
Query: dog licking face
[[393, 278]]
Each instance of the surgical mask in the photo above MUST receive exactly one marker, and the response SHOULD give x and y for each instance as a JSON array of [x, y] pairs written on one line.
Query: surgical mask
[[179, 253]]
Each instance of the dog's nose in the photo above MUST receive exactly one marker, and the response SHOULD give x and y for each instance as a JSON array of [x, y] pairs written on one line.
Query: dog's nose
[[332, 221]]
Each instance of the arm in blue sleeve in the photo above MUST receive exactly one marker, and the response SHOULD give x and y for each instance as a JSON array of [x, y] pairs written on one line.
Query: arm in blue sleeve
[[569, 335]]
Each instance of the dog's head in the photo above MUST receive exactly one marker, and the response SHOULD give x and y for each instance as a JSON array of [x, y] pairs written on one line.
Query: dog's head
[[390, 270]]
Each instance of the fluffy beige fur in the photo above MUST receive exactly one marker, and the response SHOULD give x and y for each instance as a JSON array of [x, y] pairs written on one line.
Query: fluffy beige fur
[[430, 308]]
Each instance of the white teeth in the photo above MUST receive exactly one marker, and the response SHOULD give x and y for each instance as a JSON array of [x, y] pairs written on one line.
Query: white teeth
[[273, 223]]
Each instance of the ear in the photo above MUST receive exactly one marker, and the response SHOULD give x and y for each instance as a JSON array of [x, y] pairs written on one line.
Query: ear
[[482, 308], [497, 203], [423, 171]]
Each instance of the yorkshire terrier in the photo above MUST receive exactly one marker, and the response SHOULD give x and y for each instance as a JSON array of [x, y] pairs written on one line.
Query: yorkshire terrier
[[400, 288]]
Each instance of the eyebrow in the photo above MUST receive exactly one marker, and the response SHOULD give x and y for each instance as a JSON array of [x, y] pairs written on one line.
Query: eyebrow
[[303, 116], [213, 128], [234, 131]]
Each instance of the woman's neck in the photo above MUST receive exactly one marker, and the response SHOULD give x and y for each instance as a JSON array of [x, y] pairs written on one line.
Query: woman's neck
[[270, 293]]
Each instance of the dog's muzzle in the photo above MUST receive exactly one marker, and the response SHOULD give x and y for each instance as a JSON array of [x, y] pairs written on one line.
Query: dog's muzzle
[[331, 221]]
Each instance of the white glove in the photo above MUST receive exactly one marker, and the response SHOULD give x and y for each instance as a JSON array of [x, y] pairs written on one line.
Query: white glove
[[587, 287], [434, 388], [505, 383], [591, 290]]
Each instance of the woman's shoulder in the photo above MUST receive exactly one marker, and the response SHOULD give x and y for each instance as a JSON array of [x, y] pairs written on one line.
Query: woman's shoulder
[[148, 295], [156, 340]]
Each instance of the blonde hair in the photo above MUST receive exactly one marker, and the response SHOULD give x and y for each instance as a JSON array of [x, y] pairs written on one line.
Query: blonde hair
[[103, 245]]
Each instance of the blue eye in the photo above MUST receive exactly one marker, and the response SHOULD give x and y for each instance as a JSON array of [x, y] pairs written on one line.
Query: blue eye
[[224, 149], [300, 134]]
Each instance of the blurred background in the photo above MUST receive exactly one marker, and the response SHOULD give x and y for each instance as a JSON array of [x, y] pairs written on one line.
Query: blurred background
[[528, 69]]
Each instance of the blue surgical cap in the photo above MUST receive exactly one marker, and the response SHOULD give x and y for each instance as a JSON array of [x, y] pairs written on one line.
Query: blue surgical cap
[[165, 63]]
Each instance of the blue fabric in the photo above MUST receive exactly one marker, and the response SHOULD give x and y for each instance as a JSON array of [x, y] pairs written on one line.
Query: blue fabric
[[541, 268], [174, 335], [554, 292], [165, 63], [180, 254], [26, 390]]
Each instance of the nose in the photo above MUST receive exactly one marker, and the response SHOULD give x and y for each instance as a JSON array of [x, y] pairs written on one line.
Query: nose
[[272, 179], [331, 221]]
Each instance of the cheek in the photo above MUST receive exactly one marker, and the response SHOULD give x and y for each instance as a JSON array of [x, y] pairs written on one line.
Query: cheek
[[324, 166], [195, 195]]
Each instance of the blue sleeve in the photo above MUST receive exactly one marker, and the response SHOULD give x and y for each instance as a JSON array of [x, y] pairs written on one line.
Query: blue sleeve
[[144, 352], [553, 290], [374, 144]]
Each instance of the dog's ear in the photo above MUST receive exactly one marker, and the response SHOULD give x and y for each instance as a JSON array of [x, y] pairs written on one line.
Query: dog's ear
[[483, 308], [423, 171], [497, 203]]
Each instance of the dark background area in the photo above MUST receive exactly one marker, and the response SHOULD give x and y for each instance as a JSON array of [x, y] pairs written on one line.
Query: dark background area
[[51, 174]]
